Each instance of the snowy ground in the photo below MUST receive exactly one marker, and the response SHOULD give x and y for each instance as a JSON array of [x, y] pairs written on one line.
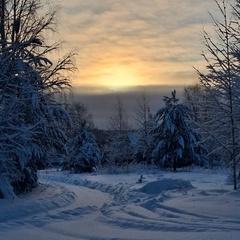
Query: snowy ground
[[193, 205]]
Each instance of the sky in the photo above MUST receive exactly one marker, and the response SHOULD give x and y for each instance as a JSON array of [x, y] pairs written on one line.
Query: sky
[[125, 46]]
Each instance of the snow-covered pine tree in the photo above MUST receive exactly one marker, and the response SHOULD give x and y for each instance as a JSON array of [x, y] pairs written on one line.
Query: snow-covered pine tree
[[30, 122], [84, 154], [174, 143]]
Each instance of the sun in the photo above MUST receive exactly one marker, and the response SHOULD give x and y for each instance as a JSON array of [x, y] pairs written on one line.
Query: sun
[[119, 77]]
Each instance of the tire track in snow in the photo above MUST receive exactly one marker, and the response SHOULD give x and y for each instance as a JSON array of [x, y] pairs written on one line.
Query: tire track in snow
[[135, 209]]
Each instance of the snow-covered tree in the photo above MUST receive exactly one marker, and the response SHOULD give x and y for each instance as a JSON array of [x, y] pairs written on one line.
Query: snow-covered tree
[[30, 122], [79, 114], [118, 150], [198, 101], [84, 153], [221, 82], [118, 120], [174, 143], [193, 96], [144, 121]]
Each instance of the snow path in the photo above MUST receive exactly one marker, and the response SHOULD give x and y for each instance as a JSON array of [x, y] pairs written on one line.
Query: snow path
[[83, 207]]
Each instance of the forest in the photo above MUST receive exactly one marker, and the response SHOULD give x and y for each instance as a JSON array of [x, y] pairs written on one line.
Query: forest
[[41, 126]]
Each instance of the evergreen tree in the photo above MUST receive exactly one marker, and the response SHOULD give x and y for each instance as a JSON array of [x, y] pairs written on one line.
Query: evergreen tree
[[84, 154], [174, 143]]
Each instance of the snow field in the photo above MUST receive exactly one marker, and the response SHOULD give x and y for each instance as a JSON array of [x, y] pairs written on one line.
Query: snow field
[[192, 205]]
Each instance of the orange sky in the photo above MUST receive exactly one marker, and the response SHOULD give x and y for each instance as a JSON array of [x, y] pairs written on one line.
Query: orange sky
[[129, 46], [127, 43]]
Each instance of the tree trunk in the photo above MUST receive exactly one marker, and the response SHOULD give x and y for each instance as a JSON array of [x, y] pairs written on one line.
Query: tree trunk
[[174, 164], [2, 23]]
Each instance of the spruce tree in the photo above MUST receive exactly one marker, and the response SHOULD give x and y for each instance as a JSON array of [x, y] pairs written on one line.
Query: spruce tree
[[84, 153], [174, 143]]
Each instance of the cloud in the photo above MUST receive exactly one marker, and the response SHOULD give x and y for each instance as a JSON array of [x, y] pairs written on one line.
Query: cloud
[[100, 102], [153, 44]]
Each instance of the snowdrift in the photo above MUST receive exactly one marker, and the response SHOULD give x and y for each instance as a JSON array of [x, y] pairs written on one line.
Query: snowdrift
[[166, 184], [46, 197]]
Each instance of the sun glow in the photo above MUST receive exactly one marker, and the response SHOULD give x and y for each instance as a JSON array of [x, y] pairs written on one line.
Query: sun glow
[[119, 77]]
